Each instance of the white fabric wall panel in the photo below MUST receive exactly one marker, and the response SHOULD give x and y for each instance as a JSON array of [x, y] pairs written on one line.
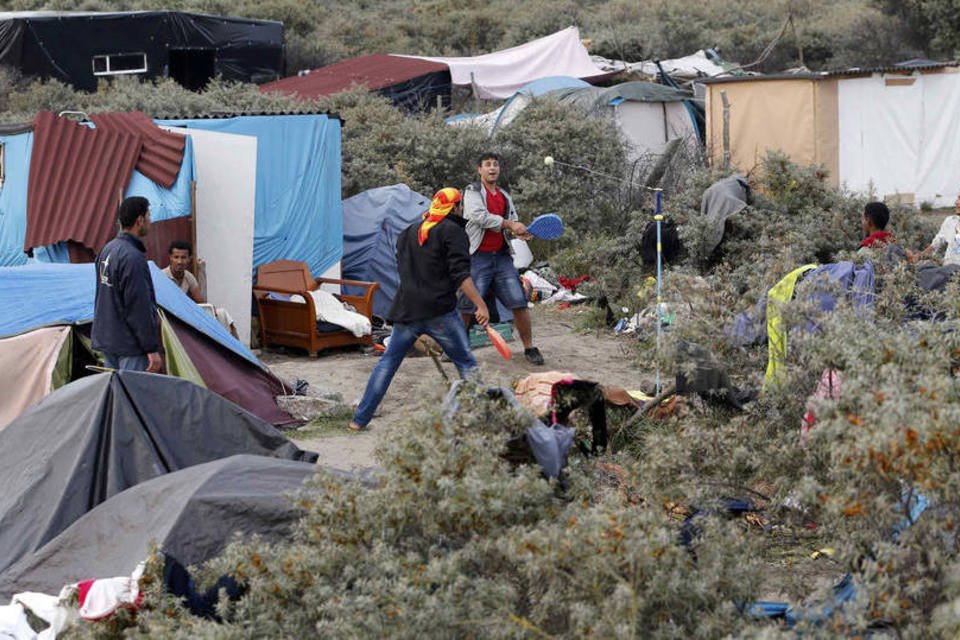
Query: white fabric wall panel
[[938, 173], [880, 132], [898, 138], [226, 175]]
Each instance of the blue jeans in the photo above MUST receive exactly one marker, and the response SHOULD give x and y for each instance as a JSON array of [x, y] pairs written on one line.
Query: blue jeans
[[495, 271], [126, 363], [446, 329]]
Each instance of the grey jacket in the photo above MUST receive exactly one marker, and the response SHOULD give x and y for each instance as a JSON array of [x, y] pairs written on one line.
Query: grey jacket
[[479, 219]]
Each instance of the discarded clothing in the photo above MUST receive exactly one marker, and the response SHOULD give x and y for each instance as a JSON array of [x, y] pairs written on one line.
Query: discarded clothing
[[721, 200]]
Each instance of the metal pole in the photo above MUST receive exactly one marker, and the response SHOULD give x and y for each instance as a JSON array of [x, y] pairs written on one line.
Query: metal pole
[[658, 216]]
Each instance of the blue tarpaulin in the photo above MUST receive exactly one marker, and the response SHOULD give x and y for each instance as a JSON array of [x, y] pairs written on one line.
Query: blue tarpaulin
[[42, 295], [298, 208], [372, 220], [13, 198], [166, 203]]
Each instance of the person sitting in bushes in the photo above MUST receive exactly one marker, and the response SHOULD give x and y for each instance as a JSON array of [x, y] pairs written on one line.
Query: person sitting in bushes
[[947, 237], [874, 221]]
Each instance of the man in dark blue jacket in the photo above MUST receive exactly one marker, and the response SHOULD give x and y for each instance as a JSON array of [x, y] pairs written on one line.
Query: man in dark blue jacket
[[433, 261], [125, 324]]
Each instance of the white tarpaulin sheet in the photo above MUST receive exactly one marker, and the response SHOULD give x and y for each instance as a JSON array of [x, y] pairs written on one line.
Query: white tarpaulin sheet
[[696, 65], [498, 75], [900, 135]]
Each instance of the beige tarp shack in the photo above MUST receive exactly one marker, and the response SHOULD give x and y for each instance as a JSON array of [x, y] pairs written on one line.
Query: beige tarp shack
[[891, 132], [29, 364]]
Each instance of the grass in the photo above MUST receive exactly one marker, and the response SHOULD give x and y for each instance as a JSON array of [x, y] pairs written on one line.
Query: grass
[[325, 427]]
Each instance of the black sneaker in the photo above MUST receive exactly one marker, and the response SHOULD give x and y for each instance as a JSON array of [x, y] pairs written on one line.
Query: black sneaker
[[533, 355]]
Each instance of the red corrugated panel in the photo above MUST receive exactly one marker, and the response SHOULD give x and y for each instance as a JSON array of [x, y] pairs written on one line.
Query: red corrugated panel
[[374, 71], [162, 152], [77, 177]]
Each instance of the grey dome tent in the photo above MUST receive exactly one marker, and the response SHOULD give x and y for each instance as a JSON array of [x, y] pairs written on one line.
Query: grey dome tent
[[191, 514], [102, 434]]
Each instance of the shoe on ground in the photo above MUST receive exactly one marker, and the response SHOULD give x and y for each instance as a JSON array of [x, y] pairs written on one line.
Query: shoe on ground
[[533, 356]]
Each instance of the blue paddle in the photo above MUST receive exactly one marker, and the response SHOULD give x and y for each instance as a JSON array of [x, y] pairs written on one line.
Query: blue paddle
[[548, 226]]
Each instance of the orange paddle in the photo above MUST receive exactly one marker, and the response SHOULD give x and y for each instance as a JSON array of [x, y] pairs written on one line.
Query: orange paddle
[[499, 342]]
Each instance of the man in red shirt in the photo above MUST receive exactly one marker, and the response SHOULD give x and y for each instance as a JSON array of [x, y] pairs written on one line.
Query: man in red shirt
[[490, 217], [874, 222]]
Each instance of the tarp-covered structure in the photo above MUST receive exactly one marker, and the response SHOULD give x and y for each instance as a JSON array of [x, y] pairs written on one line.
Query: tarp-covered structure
[[80, 48], [191, 514], [372, 220], [498, 75], [54, 165], [102, 434], [648, 115], [248, 190], [196, 346], [516, 103], [409, 83], [298, 203], [893, 131]]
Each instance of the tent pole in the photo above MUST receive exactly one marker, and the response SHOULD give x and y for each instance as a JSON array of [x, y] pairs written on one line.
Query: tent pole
[[658, 216]]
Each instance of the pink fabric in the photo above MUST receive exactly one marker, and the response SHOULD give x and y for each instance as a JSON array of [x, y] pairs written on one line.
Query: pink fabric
[[828, 388], [27, 362]]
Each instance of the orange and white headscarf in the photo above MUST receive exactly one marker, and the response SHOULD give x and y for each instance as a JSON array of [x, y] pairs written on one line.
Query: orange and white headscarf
[[443, 203]]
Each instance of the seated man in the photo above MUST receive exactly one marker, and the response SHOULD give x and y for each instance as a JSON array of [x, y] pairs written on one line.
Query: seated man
[[946, 237], [874, 221], [181, 254]]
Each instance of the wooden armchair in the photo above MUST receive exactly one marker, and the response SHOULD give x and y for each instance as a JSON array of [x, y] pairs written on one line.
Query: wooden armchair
[[294, 324]]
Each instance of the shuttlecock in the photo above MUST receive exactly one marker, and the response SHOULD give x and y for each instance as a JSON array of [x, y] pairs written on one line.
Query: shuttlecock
[[548, 161]]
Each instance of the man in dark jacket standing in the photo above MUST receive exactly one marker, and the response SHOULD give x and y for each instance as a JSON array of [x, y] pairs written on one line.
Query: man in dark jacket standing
[[125, 324], [433, 261]]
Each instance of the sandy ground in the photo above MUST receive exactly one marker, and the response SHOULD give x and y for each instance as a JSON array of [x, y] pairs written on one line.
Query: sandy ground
[[598, 355]]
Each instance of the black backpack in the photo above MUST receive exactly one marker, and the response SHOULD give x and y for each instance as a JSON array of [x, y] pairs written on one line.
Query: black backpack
[[669, 242]]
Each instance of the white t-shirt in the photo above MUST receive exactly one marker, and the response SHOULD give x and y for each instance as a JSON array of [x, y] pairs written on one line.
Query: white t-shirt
[[948, 235], [189, 280]]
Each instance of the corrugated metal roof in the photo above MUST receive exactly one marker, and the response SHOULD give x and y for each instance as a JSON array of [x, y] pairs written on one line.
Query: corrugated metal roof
[[899, 69], [77, 177], [223, 115], [374, 71], [162, 152]]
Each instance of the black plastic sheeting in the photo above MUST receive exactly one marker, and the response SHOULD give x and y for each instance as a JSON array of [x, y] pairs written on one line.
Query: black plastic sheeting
[[191, 514], [421, 94], [97, 436], [189, 47]]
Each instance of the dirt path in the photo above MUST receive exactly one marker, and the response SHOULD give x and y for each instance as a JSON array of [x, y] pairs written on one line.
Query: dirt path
[[598, 356]]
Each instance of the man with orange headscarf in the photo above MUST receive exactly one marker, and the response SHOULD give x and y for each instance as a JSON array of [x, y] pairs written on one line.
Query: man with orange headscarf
[[433, 260]]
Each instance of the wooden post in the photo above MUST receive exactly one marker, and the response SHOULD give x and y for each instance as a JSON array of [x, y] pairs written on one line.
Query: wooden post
[[726, 130], [201, 274]]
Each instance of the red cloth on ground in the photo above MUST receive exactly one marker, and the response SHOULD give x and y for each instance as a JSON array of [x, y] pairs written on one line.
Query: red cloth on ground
[[493, 238], [571, 283]]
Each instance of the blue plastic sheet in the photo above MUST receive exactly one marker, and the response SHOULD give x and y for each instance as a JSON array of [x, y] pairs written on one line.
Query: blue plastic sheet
[[166, 203], [41, 295], [298, 213], [13, 198], [372, 220]]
